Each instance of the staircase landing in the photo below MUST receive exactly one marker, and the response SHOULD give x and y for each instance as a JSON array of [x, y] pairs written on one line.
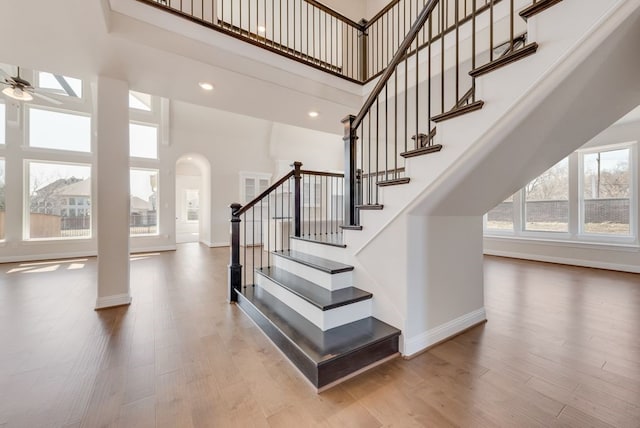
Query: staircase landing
[[324, 358]]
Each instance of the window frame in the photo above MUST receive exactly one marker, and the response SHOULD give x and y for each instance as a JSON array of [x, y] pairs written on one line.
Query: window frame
[[632, 191], [575, 234], [26, 197], [150, 125], [26, 144], [157, 171]]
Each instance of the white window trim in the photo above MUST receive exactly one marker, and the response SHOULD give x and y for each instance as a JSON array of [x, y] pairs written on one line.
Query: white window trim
[[27, 130], [157, 232], [150, 125]]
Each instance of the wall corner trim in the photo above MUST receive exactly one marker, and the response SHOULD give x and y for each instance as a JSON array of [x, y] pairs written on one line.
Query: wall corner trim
[[113, 301], [431, 337]]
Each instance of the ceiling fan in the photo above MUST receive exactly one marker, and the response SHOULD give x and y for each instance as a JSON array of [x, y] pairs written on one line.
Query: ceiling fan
[[20, 89]]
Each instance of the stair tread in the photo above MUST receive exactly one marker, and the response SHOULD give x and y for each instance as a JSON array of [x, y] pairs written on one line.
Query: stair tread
[[313, 293], [319, 346], [325, 265], [422, 151], [333, 239], [393, 181]]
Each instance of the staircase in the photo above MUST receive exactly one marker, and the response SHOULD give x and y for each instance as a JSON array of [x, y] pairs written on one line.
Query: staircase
[[321, 297]]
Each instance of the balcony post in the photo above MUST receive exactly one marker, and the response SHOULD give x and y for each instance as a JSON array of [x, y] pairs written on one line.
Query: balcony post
[[235, 268], [363, 39], [297, 202], [350, 140]]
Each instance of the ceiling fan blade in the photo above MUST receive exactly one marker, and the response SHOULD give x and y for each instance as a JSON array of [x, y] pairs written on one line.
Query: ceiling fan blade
[[4, 74], [46, 98]]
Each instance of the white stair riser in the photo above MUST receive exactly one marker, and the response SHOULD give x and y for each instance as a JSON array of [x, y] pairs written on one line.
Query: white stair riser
[[330, 252], [324, 320], [329, 281]]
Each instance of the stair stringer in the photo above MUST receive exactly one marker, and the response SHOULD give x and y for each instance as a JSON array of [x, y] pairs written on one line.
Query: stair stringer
[[390, 250]]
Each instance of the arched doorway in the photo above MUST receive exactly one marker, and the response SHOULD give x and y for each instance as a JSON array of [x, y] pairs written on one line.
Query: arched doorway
[[193, 199]]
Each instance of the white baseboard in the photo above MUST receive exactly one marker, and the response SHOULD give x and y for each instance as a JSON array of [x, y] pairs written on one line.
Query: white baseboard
[[112, 301], [47, 256], [565, 261], [215, 244], [416, 344], [152, 249]]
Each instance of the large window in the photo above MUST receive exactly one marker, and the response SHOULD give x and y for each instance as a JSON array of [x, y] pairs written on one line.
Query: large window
[[606, 192], [49, 129], [144, 202], [547, 200], [59, 200], [143, 141], [139, 101], [588, 196], [60, 85], [501, 217], [2, 208]]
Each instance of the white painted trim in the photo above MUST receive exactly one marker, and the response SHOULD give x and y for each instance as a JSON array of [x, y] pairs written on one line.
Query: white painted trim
[[565, 261], [47, 256], [431, 337], [152, 249], [589, 245], [215, 244], [112, 301]]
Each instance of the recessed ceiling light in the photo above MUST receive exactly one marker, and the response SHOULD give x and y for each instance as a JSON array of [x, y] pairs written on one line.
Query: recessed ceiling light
[[314, 114], [262, 29], [206, 86]]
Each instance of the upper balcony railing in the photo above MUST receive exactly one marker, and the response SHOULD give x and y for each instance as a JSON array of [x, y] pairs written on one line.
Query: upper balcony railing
[[314, 34]]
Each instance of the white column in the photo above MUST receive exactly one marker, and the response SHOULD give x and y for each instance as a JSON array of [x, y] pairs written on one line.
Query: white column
[[112, 196]]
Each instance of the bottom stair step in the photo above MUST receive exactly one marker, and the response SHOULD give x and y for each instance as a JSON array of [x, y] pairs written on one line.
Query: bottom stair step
[[323, 357]]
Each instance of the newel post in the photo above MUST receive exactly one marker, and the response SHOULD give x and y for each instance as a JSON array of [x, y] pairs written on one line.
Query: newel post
[[297, 201], [235, 268], [363, 39], [350, 140]]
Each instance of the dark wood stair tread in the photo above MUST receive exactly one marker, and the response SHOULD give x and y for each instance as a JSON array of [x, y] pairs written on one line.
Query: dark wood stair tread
[[332, 239], [509, 58], [370, 207], [393, 182], [350, 227], [323, 357], [318, 296], [458, 111], [538, 7], [422, 151], [325, 265]]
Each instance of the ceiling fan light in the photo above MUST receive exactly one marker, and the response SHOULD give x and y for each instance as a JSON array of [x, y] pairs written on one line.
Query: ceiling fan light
[[17, 94]]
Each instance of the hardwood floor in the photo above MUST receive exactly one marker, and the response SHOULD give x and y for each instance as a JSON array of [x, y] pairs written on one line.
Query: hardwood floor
[[561, 348]]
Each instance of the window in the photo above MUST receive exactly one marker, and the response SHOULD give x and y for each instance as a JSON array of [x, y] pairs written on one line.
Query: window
[[50, 185], [143, 218], [2, 208], [60, 85], [192, 199], [605, 206], [143, 141], [50, 129], [253, 184], [501, 217], [139, 101], [547, 200], [3, 121]]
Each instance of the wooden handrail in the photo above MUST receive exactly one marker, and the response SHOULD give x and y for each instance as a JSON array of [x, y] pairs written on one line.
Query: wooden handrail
[[395, 61], [323, 173], [335, 14]]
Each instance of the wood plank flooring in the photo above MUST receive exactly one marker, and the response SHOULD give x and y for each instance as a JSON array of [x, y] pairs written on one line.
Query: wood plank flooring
[[561, 348]]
